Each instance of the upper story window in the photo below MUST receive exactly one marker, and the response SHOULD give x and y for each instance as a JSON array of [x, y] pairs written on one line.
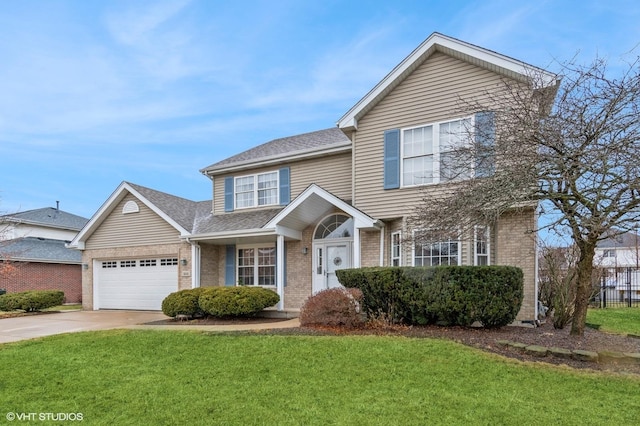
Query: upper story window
[[430, 154], [427, 152], [256, 190], [609, 253]]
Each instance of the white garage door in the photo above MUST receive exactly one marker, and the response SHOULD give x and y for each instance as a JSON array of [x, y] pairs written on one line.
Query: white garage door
[[139, 284]]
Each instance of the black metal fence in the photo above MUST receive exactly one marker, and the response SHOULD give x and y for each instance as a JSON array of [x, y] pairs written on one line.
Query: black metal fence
[[618, 288]]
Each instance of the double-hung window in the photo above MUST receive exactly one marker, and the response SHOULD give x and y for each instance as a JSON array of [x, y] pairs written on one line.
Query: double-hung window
[[429, 152], [396, 252], [256, 190], [481, 245], [257, 265]]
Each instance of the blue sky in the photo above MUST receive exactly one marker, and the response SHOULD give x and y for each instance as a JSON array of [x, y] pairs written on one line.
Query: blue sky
[[96, 92]]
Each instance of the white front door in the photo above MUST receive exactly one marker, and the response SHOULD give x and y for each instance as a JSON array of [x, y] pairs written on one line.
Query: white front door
[[328, 258]]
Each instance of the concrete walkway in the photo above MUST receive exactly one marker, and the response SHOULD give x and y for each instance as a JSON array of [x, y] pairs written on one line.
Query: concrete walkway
[[32, 326]]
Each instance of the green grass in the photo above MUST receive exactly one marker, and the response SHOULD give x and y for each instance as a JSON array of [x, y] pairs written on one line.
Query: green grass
[[615, 320], [69, 307], [179, 377]]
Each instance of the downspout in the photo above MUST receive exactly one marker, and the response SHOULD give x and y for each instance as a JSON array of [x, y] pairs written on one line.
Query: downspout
[[382, 231]]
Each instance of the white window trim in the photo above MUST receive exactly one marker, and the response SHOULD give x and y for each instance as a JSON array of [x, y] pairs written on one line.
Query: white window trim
[[255, 264], [391, 256], [436, 149], [475, 244], [413, 246], [255, 190]]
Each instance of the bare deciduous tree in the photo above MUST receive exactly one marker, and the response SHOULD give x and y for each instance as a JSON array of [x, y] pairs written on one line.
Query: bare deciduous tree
[[574, 146]]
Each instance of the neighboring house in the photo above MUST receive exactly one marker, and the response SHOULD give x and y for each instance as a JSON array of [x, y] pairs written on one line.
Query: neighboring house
[[288, 213], [618, 257], [34, 255]]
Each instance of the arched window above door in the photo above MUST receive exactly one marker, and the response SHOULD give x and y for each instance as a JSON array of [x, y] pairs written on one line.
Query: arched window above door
[[334, 226]]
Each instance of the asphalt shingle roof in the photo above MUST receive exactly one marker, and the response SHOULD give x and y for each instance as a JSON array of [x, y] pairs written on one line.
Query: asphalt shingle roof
[[39, 249], [177, 208], [196, 216], [628, 239], [285, 146], [236, 221], [48, 216]]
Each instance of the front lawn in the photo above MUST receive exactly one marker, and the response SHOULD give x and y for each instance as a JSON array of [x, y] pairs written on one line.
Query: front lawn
[[181, 377], [615, 320]]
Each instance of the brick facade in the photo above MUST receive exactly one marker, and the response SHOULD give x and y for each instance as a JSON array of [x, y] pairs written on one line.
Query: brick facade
[[516, 246], [45, 276], [299, 270]]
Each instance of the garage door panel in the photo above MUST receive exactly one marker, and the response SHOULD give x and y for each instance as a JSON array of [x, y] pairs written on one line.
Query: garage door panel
[[135, 287]]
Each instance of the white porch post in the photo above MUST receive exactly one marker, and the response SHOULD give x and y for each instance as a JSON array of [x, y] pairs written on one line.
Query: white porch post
[[195, 265], [280, 270], [356, 248]]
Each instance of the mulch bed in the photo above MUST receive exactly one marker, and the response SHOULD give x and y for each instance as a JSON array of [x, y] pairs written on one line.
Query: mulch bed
[[217, 321]]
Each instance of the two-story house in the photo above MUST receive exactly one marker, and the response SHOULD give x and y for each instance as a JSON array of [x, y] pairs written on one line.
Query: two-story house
[[290, 212], [618, 258], [33, 252]]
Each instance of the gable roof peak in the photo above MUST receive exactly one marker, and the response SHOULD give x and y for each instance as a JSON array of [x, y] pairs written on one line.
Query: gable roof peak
[[459, 49]]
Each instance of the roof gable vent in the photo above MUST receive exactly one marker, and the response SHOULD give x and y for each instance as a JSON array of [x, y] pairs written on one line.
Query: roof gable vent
[[130, 207]]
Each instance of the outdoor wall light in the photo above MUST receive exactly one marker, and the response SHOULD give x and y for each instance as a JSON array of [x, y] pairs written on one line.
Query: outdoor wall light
[[305, 250], [85, 266], [183, 262]]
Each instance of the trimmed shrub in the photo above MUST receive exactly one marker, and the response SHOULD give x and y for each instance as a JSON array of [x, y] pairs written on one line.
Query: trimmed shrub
[[333, 307], [31, 301], [183, 302], [236, 301], [446, 295]]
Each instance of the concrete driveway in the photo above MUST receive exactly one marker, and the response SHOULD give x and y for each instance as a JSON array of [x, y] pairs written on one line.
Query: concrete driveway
[[29, 327]]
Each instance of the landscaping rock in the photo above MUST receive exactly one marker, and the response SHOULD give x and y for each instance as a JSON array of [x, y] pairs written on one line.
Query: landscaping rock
[[560, 353], [610, 357], [536, 350], [518, 346], [504, 342], [633, 358], [586, 356]]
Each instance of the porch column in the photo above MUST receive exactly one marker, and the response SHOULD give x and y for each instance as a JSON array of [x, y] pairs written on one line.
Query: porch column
[[280, 262], [356, 248], [195, 265]]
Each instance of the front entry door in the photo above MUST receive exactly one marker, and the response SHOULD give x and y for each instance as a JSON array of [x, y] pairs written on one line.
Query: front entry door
[[329, 257]]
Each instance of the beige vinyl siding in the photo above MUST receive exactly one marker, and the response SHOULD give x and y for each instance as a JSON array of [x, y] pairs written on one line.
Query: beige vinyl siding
[[429, 94], [332, 173], [132, 229]]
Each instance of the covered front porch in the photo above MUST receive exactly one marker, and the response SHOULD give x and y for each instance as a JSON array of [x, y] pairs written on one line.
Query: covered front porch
[[295, 252]]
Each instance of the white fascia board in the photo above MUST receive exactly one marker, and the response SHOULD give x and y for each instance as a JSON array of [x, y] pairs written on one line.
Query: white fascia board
[[349, 120], [361, 220], [183, 232], [280, 158], [242, 233], [108, 206], [288, 232]]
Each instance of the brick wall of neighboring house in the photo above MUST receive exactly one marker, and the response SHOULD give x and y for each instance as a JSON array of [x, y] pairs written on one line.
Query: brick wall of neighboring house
[[26, 276]]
